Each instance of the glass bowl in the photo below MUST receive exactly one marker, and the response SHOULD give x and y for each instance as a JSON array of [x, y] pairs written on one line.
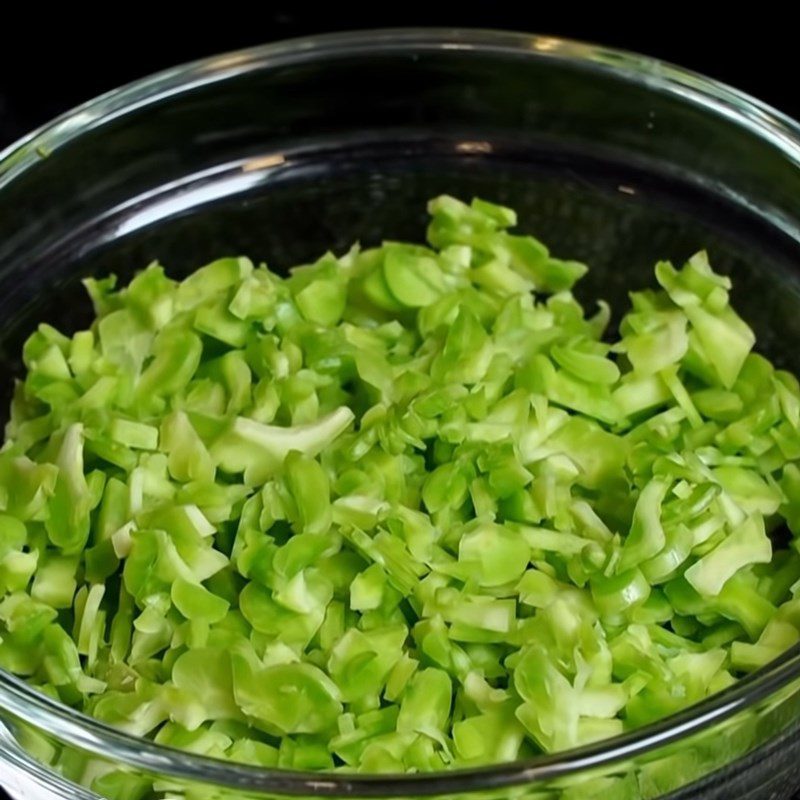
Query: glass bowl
[[284, 151]]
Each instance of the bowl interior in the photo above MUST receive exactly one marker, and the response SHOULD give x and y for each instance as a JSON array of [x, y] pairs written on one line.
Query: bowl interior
[[286, 209]]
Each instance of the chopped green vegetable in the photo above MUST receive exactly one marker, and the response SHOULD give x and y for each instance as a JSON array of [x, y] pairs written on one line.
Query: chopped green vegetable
[[405, 509]]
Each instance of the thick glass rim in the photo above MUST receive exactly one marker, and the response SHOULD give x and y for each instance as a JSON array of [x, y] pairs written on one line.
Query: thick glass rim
[[82, 732]]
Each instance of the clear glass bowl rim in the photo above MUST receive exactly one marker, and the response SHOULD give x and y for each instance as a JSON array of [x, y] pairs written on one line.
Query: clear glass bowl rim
[[80, 731]]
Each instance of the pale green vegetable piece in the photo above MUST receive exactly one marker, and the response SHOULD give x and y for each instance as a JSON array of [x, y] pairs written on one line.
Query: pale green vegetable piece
[[55, 580], [368, 588], [310, 490], [322, 301], [188, 458], [195, 602], [413, 278], [134, 434], [426, 703], [493, 554], [259, 450], [725, 338], [646, 538], [550, 712], [211, 280], [68, 521], [746, 544], [287, 698]]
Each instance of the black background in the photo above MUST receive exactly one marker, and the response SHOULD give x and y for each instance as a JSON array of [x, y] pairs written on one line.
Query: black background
[[51, 63]]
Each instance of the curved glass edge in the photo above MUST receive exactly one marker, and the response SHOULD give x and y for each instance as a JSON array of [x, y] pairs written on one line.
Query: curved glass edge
[[753, 749], [27, 779], [43, 714], [733, 104], [96, 738]]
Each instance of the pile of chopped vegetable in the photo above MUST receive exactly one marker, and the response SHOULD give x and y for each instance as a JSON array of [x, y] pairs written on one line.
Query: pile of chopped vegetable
[[406, 509]]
